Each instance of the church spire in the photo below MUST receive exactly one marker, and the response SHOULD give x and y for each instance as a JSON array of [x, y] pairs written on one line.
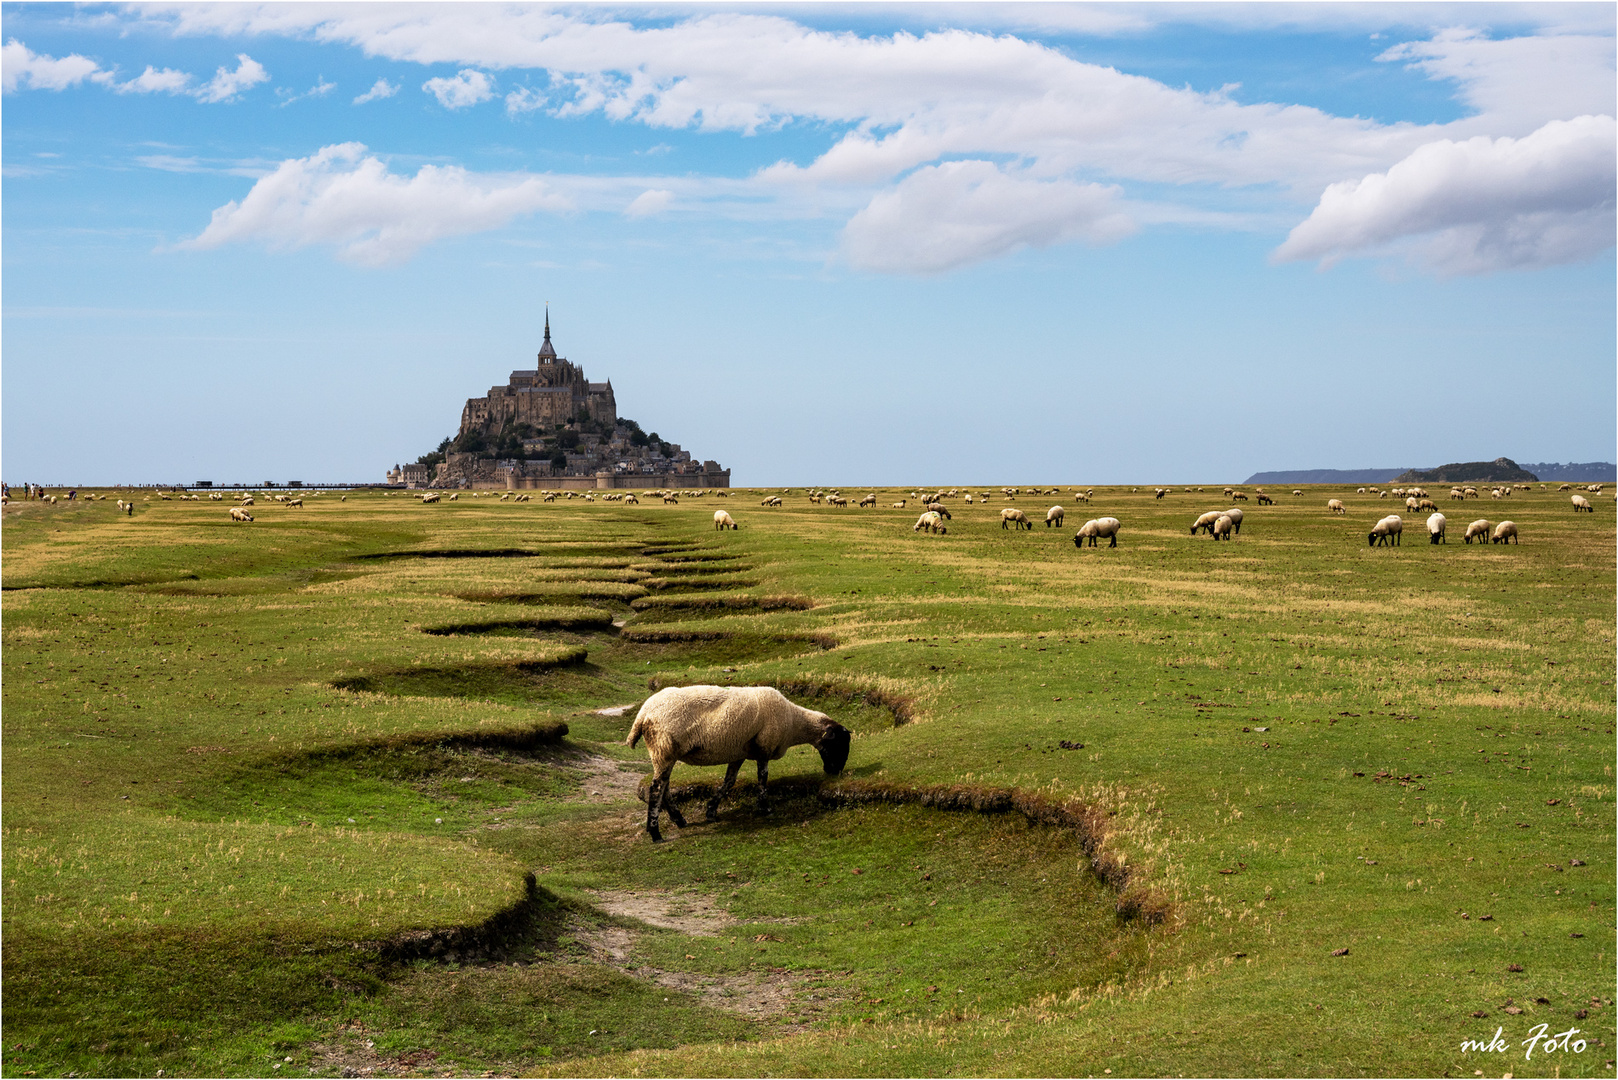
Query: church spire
[[547, 351]]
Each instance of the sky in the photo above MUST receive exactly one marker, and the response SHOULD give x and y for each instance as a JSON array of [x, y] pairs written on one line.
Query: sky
[[838, 244]]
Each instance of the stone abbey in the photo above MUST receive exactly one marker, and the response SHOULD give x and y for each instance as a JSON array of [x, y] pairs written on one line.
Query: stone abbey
[[550, 427]]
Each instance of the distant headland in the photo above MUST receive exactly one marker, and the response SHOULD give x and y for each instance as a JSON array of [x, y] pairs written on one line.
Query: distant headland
[[1502, 470]]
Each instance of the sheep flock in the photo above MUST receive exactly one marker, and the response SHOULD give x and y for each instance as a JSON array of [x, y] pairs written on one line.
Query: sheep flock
[[1223, 522]]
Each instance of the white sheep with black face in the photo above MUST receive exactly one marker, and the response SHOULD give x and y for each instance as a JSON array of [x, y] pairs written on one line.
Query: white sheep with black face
[[1480, 529], [728, 725], [1581, 503], [1435, 529], [1096, 528], [1505, 532], [1388, 532], [723, 521]]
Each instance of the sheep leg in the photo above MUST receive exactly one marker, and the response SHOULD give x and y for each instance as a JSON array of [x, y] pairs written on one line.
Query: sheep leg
[[654, 803], [763, 789], [731, 771], [1114, 540], [673, 811]]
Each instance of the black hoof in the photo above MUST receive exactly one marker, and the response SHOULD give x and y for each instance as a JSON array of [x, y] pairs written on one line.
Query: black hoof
[[657, 837], [712, 814]]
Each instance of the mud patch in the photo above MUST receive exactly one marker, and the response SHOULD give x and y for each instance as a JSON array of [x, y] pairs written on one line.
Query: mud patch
[[605, 780], [757, 995]]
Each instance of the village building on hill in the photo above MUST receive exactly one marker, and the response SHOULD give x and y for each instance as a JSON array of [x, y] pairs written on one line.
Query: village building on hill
[[550, 427]]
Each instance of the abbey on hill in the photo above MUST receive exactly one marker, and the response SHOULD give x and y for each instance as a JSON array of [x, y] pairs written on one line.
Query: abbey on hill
[[550, 427]]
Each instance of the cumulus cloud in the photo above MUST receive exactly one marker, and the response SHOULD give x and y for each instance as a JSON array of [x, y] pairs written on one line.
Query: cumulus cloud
[[379, 90], [650, 202], [908, 104], [227, 85], [945, 216], [22, 68], [1478, 205], [1519, 82], [463, 91], [345, 197], [524, 99], [153, 81]]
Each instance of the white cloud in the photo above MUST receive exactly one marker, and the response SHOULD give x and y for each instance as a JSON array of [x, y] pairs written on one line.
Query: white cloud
[[22, 68], [172, 163], [524, 99], [1519, 82], [463, 91], [650, 202], [153, 81], [343, 196], [946, 216], [226, 85], [320, 89], [379, 90], [905, 102], [1479, 205]]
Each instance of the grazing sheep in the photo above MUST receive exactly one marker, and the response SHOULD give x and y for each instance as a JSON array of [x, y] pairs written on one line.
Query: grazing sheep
[[1235, 515], [836, 500], [941, 510], [900, 505], [671, 499], [1427, 504], [1470, 492], [1435, 529], [931, 522], [1240, 496], [728, 725], [869, 500], [723, 521], [1581, 503], [1360, 491], [1161, 492], [1206, 521], [429, 498], [1388, 532], [1457, 493], [1297, 491], [1220, 530], [299, 503], [238, 514], [1096, 528], [247, 500], [343, 499], [453, 498], [1411, 504], [1053, 516], [1565, 487], [1480, 529], [1014, 517], [1336, 506], [1503, 532]]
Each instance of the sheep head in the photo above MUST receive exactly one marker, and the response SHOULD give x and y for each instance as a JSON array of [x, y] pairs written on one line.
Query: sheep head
[[833, 746]]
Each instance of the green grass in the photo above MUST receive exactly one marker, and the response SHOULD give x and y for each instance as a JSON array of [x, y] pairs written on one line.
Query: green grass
[[267, 795]]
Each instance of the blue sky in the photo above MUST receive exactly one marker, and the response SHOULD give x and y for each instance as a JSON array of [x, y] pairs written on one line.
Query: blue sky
[[835, 244]]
